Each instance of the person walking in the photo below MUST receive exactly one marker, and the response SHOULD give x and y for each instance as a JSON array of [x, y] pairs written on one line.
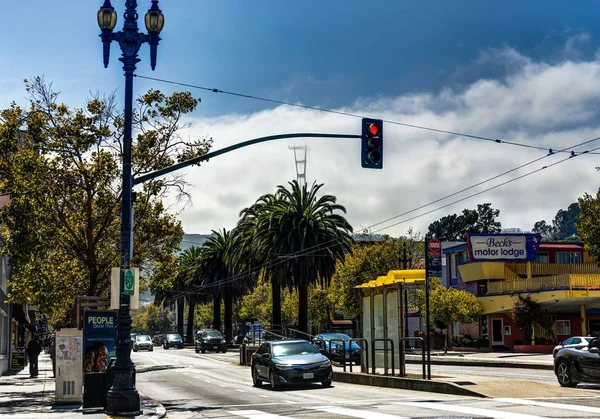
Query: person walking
[[33, 352]]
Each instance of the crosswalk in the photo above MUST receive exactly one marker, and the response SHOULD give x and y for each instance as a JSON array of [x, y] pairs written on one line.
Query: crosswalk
[[494, 408]]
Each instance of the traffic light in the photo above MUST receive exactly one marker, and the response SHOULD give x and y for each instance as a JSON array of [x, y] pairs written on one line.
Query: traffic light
[[372, 143]]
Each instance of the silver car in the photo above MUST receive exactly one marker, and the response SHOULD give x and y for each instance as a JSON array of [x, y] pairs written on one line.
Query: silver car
[[576, 342], [142, 342]]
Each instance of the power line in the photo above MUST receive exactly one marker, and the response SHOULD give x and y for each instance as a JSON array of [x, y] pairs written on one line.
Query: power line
[[323, 246], [314, 108]]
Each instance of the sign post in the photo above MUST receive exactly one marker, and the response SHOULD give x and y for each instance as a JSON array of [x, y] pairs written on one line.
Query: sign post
[[129, 284]]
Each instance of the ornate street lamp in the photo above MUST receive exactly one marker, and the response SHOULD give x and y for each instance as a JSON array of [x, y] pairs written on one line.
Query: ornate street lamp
[[123, 398]]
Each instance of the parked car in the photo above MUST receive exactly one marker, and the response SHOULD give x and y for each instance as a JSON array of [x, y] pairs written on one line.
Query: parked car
[[173, 340], [336, 346], [290, 362], [142, 342], [573, 365], [211, 340], [577, 342], [254, 336]]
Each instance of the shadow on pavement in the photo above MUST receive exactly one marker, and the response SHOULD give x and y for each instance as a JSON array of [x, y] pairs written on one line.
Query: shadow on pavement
[[184, 406]]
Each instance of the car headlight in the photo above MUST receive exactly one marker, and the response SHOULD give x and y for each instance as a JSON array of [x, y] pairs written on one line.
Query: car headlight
[[223, 340], [324, 364], [283, 367]]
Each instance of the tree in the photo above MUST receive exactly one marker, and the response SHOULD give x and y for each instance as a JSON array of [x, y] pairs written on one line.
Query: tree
[[588, 226], [564, 225], [151, 319], [311, 235], [365, 263], [61, 169], [525, 313], [455, 227], [449, 305]]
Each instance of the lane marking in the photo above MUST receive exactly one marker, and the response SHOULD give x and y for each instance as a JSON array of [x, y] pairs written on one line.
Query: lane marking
[[221, 385], [257, 414], [490, 413], [262, 395], [147, 356], [207, 381], [576, 407], [240, 390], [355, 413]]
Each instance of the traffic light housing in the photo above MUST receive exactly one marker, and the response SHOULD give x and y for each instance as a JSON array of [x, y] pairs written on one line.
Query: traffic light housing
[[372, 143]]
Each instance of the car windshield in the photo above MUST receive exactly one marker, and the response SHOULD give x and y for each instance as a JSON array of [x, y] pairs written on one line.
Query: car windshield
[[214, 334], [174, 337], [143, 338], [295, 348], [336, 336]]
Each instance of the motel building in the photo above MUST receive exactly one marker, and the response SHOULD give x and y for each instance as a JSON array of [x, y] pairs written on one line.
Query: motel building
[[497, 268]]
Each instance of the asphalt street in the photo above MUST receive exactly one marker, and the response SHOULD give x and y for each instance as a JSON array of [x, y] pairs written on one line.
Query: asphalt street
[[210, 385]]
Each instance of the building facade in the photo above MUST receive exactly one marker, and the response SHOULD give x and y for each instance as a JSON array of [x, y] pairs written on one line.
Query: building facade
[[561, 277]]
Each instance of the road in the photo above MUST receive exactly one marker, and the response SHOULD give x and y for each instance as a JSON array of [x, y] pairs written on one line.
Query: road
[[212, 385]]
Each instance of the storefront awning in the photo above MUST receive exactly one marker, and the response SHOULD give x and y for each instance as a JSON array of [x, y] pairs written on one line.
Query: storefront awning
[[400, 276]]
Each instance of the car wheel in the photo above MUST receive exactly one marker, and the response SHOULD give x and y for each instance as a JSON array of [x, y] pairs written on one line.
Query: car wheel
[[256, 382], [135, 350], [151, 349], [203, 350], [563, 373], [326, 384], [272, 382]]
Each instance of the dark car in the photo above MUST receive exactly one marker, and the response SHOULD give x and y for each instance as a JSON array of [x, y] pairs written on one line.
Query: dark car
[[254, 337], [573, 365], [142, 342], [173, 340], [337, 347], [210, 340], [290, 362]]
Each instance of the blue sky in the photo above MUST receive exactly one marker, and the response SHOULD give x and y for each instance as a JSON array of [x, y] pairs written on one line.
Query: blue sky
[[422, 62]]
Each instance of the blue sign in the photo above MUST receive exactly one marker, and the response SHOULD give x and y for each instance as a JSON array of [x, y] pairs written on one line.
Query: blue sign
[[100, 336], [503, 247]]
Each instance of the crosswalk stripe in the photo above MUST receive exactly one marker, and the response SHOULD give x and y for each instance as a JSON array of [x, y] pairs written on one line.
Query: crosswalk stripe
[[490, 413], [257, 414], [574, 407], [355, 413]]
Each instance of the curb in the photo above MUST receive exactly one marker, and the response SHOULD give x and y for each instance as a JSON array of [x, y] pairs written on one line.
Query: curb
[[405, 383]]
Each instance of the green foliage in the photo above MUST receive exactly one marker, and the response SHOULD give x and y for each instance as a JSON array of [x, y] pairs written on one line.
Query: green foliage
[[564, 226], [588, 226], [366, 263], [61, 168], [525, 313], [449, 305], [151, 320], [257, 304], [455, 227]]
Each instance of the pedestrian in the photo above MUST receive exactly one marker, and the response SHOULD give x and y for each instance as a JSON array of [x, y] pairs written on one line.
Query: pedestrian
[[33, 352]]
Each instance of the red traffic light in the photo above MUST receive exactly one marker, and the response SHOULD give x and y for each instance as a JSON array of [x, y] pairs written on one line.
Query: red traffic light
[[373, 129]]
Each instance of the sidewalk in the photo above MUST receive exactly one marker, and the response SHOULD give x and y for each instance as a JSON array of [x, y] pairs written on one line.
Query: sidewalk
[[22, 397], [463, 384]]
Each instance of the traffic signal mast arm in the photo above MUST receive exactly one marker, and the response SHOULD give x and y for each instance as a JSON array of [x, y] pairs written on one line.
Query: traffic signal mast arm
[[181, 165]]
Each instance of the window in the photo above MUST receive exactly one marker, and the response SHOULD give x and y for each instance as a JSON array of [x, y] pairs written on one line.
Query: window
[[576, 341], [568, 341], [453, 270], [563, 327], [542, 257], [507, 330], [462, 258], [567, 257]]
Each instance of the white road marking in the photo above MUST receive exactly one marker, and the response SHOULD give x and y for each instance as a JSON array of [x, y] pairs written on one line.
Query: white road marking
[[257, 414], [262, 395], [147, 356], [207, 381], [490, 413], [575, 407], [355, 413], [240, 390], [221, 385]]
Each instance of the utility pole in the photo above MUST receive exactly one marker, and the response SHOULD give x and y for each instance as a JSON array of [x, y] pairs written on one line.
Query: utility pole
[[406, 262]]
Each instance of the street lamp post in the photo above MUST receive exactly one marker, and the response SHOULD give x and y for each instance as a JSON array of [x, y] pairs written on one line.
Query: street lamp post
[[123, 397]]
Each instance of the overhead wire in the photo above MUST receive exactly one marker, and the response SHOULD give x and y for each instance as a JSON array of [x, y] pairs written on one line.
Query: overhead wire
[[324, 245], [350, 114]]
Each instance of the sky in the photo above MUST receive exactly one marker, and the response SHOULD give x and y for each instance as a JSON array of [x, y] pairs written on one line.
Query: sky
[[526, 73]]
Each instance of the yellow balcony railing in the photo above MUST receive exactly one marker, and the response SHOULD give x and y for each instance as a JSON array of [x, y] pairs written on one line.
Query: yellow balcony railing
[[554, 268], [541, 283]]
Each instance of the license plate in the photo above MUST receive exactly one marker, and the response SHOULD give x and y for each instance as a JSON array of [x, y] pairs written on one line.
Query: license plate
[[215, 347], [308, 375]]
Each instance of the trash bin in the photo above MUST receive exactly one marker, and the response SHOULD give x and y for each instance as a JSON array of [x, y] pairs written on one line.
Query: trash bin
[[94, 394]]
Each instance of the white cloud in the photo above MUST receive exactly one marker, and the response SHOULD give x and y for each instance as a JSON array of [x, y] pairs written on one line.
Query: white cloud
[[548, 105]]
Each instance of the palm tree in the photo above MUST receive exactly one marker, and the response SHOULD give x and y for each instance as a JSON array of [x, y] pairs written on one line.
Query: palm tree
[[187, 263], [310, 234], [254, 252], [215, 271]]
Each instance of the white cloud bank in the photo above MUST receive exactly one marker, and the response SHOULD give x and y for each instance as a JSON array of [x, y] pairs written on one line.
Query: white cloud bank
[[549, 105]]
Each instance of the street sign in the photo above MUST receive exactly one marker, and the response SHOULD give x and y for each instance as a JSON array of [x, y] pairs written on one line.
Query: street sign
[[435, 245], [129, 283]]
